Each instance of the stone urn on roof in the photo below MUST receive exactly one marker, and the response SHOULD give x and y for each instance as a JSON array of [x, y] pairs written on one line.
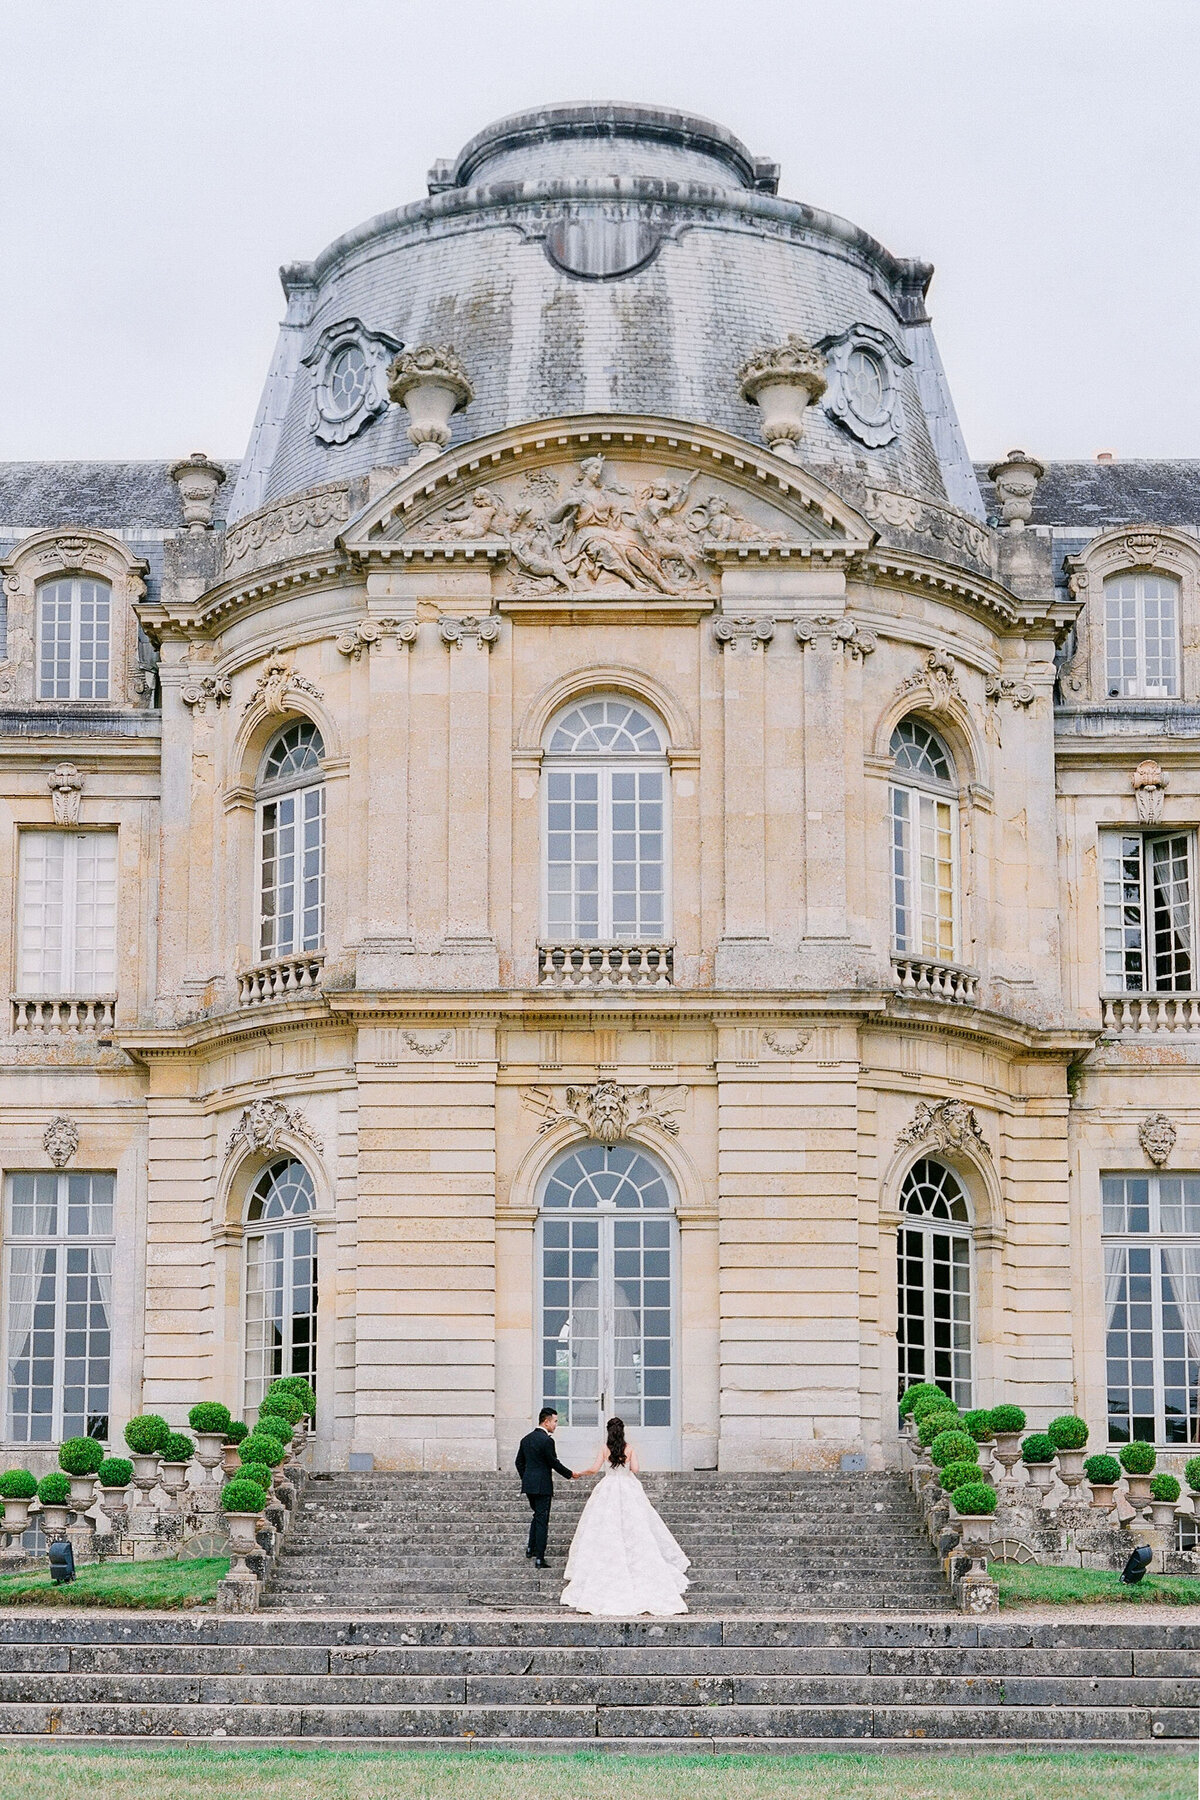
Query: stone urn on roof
[[783, 382]]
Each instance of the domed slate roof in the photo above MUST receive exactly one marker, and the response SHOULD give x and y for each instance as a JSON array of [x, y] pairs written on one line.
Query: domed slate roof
[[606, 258]]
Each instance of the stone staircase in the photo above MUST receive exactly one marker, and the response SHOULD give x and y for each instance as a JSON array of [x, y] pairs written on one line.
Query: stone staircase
[[449, 1544], [565, 1683]]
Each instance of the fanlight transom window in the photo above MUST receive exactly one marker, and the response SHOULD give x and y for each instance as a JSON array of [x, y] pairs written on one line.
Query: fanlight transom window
[[924, 826], [933, 1324], [291, 822], [284, 1191], [605, 825], [281, 1278]]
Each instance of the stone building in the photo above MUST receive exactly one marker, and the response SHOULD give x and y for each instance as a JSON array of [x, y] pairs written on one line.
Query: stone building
[[604, 862]]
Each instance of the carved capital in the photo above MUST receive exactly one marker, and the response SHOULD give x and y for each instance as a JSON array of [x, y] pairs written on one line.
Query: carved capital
[[202, 688], [263, 1124], [1005, 687], [1157, 1135], [362, 636], [469, 630], [66, 790], [60, 1140], [754, 634], [944, 1125], [1149, 783]]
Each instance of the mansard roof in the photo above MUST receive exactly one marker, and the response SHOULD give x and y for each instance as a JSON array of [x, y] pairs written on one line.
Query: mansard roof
[[1091, 496], [111, 496]]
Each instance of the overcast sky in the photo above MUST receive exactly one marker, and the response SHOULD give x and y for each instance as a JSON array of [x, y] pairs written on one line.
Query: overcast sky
[[161, 158]]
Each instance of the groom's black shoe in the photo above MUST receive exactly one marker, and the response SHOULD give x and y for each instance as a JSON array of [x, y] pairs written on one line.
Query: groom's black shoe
[[540, 1563], [528, 1554]]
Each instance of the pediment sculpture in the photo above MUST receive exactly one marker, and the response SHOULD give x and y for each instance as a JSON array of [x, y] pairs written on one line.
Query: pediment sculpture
[[608, 1110], [592, 527]]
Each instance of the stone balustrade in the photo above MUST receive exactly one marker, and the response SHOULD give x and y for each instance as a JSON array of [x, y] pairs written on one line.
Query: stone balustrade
[[925, 980], [281, 979], [1150, 1012], [627, 965], [63, 1012]]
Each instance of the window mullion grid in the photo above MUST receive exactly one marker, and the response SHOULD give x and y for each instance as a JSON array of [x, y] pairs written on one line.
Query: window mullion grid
[[1156, 1326], [606, 1355], [76, 629], [69, 940], [604, 788]]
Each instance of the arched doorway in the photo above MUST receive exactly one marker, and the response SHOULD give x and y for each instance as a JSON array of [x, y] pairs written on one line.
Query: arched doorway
[[281, 1278], [608, 1276], [934, 1327]]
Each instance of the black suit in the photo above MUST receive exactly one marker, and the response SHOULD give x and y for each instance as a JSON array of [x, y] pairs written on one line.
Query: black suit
[[537, 1464]]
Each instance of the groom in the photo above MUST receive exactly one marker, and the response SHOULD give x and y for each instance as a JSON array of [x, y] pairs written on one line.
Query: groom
[[535, 1460]]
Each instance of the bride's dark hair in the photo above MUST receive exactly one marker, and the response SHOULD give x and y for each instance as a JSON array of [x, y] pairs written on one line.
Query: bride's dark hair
[[616, 1442]]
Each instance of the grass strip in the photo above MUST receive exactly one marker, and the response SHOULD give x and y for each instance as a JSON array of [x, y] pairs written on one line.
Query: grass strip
[[1031, 1584], [162, 1586], [293, 1774]]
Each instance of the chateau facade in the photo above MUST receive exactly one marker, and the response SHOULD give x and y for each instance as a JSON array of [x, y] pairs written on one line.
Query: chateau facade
[[605, 862]]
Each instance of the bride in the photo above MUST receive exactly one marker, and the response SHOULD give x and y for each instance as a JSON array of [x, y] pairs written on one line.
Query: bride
[[622, 1560]]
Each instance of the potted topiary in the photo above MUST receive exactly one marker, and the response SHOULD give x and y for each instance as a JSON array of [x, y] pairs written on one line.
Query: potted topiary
[[974, 1503], [301, 1390], [953, 1446], [242, 1502], [176, 1454], [237, 1430], [146, 1436], [54, 1492], [935, 1402], [1008, 1422], [1191, 1469], [931, 1426], [978, 1424], [281, 1404], [954, 1474], [920, 1390], [1069, 1436], [1164, 1492], [80, 1457], [17, 1488], [210, 1420], [1138, 1460], [114, 1476], [1038, 1453], [1104, 1472]]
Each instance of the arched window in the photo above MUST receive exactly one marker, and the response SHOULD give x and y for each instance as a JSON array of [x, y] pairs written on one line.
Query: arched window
[[933, 1324], [74, 628], [608, 1279], [924, 844], [281, 1278], [605, 825], [291, 836], [1141, 636]]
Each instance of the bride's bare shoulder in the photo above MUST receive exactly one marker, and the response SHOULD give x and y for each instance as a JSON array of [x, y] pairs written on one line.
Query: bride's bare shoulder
[[631, 1459]]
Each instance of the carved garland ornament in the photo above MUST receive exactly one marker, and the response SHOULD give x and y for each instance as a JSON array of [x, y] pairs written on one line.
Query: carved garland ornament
[[944, 1125], [263, 1123], [60, 1140], [783, 1045], [428, 1046], [938, 676], [608, 1110], [1157, 1135]]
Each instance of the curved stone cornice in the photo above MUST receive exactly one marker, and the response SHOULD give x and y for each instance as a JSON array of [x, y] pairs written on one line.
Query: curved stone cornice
[[999, 605]]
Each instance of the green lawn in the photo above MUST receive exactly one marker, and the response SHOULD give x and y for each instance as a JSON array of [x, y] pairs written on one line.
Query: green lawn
[[1027, 1584], [137, 1774], [163, 1585]]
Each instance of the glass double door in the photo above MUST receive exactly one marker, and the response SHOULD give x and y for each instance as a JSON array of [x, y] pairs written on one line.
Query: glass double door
[[608, 1279]]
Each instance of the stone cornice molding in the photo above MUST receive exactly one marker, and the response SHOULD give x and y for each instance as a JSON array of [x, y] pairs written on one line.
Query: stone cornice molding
[[214, 609], [977, 594]]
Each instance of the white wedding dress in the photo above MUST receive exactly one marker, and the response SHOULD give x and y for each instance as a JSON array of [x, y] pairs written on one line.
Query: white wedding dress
[[623, 1561]]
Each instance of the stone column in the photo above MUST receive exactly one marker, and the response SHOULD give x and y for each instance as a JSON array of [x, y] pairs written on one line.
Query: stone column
[[468, 639], [744, 639]]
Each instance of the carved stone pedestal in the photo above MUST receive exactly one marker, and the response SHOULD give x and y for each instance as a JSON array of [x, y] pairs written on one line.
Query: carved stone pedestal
[[238, 1594]]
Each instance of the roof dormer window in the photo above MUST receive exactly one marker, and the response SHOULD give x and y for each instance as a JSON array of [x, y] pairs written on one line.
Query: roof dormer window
[[1141, 635]]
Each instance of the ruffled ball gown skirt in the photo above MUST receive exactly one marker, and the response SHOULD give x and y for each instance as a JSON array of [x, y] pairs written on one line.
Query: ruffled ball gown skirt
[[623, 1561]]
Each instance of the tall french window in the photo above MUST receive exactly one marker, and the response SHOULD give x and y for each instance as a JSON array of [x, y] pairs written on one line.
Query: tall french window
[[605, 826], [933, 1324], [1152, 1302], [281, 1278], [924, 822], [1141, 636], [67, 913], [291, 815], [74, 626], [1149, 911], [58, 1306]]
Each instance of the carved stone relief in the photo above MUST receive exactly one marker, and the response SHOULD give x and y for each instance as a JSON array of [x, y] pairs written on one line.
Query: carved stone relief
[[743, 632], [608, 1110], [787, 1043], [1157, 1135], [274, 684], [66, 790], [60, 1140], [944, 1125], [289, 528], [202, 688], [263, 1123], [349, 364], [469, 630], [1149, 782], [938, 676], [843, 634], [428, 1046]]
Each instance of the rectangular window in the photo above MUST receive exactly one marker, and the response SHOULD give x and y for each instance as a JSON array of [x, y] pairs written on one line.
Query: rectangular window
[[58, 1302], [1152, 1301], [73, 639], [67, 913], [1141, 636], [605, 855], [293, 874], [1149, 929], [923, 859]]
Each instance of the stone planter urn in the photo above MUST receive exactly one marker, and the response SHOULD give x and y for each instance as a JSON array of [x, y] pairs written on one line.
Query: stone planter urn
[[1042, 1477], [1137, 1490], [114, 1507], [783, 381], [1006, 1451], [243, 1542], [1104, 1495], [54, 1523], [230, 1461], [210, 1448], [976, 1532], [431, 384], [1070, 1469], [145, 1475], [83, 1493], [1162, 1518], [174, 1483], [16, 1523]]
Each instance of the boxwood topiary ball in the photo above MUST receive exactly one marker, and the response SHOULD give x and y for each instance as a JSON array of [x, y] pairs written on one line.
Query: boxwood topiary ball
[[273, 1426], [955, 1473], [1137, 1458], [54, 1489], [953, 1446], [17, 1484], [934, 1423], [1068, 1432], [236, 1431], [147, 1434], [257, 1472], [979, 1424], [917, 1391], [931, 1402], [261, 1449], [115, 1472], [241, 1496], [1104, 1471], [1191, 1469], [80, 1455], [1007, 1418], [299, 1388], [210, 1415], [1038, 1448], [178, 1448], [1164, 1487], [281, 1405], [974, 1499]]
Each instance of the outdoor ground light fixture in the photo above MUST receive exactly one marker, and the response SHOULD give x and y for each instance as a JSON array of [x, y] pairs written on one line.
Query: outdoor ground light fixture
[[62, 1563], [1137, 1565]]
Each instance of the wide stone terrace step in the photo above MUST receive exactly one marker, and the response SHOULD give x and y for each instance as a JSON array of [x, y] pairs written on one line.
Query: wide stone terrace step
[[799, 1542], [568, 1683]]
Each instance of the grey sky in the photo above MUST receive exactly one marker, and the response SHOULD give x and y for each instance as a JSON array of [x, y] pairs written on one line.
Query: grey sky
[[161, 158]]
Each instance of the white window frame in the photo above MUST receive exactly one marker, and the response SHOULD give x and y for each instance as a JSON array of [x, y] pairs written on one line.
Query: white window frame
[[270, 793], [285, 1228], [76, 583], [920, 788], [1154, 1240], [61, 1242], [1112, 845], [605, 766], [68, 983], [1138, 685], [962, 1230]]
